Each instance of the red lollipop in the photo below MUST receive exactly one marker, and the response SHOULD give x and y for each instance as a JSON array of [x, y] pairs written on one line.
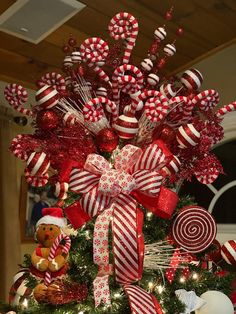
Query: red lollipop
[[194, 229]]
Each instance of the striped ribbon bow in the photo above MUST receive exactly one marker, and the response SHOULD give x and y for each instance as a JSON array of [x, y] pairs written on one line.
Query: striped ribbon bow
[[111, 191]]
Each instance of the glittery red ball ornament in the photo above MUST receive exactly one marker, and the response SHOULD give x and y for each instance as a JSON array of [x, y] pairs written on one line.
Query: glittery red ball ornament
[[165, 133], [161, 63], [66, 49], [72, 41], [180, 31], [168, 15], [107, 140], [47, 119]]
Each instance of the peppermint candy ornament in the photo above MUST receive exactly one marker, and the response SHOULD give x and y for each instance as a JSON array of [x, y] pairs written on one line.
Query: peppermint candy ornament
[[170, 50], [168, 90], [126, 126], [192, 79], [228, 252], [67, 62], [76, 57], [160, 33], [187, 136], [47, 97], [194, 229], [101, 91], [147, 65], [54, 80], [153, 79]]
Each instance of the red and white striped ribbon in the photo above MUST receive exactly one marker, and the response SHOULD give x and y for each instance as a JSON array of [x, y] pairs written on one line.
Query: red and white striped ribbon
[[53, 250], [124, 26], [116, 79], [142, 302], [95, 50], [226, 109], [207, 99], [16, 95], [93, 110], [53, 79]]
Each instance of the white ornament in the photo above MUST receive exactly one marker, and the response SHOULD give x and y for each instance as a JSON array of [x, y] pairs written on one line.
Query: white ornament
[[216, 303], [153, 79], [147, 64], [160, 33]]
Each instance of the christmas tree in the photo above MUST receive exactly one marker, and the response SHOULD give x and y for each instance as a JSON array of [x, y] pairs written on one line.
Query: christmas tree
[[115, 142]]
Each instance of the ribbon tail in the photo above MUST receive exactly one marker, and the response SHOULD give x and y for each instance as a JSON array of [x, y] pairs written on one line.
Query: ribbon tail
[[101, 290], [142, 302], [174, 263]]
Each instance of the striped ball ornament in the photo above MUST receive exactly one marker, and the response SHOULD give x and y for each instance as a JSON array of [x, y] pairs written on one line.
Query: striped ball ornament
[[160, 33], [47, 97], [126, 126], [187, 136], [170, 50], [147, 65], [38, 164], [192, 79], [228, 252], [168, 90], [153, 79]]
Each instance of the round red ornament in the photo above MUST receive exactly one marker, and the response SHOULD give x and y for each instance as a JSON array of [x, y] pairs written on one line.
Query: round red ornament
[[126, 126], [47, 119], [107, 140], [66, 49], [165, 133]]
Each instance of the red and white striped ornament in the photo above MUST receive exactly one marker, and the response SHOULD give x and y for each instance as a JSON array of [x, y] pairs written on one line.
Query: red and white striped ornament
[[36, 181], [37, 164], [192, 79], [169, 50], [19, 290], [187, 136], [16, 95], [101, 91], [172, 167], [61, 189], [147, 65], [124, 26], [168, 90], [153, 79], [67, 62], [160, 33], [207, 99], [69, 119], [228, 252], [126, 126], [194, 229], [76, 57], [47, 97]]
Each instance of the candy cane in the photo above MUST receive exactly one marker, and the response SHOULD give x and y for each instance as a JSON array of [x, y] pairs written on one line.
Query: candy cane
[[53, 250], [17, 149], [16, 95], [124, 26], [93, 110], [95, 50], [207, 99], [53, 79], [181, 110], [117, 79], [226, 109]]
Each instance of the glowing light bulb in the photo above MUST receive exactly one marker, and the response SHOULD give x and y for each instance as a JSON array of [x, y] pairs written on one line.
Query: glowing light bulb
[[117, 295], [149, 215], [195, 276], [182, 279], [150, 285], [160, 289], [25, 304], [81, 312]]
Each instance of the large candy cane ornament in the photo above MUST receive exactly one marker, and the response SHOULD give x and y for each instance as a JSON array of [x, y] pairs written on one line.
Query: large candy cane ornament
[[226, 109], [124, 26], [53, 79], [95, 50], [16, 95]]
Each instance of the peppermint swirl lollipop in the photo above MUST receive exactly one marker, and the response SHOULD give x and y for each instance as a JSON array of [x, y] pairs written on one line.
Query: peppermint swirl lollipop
[[124, 26], [194, 229], [95, 50], [53, 79], [16, 95], [207, 99]]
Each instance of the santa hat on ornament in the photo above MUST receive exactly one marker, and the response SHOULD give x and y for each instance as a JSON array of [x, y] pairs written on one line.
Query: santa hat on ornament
[[52, 216]]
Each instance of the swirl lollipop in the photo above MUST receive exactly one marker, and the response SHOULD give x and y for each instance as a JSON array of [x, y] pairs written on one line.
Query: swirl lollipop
[[53, 79], [124, 26], [206, 100], [95, 50], [194, 229], [16, 95]]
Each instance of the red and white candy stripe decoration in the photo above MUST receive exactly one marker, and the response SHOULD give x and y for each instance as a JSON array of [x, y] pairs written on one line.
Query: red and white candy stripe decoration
[[93, 110], [19, 289], [47, 97], [194, 229], [226, 109], [53, 79], [207, 99], [17, 148], [172, 167], [192, 79], [53, 250], [181, 110], [187, 136], [37, 164], [16, 95], [160, 33], [168, 90], [69, 119], [116, 79], [228, 252], [36, 181], [61, 189], [95, 50], [141, 302], [126, 126], [169, 50], [208, 175], [124, 26], [155, 108]]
